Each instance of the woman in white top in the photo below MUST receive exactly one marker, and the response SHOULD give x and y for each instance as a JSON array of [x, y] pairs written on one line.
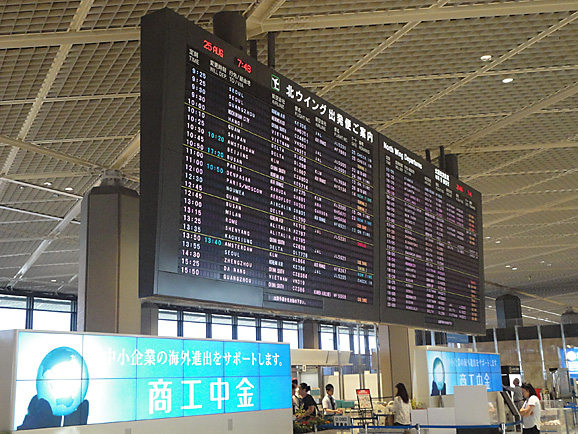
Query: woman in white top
[[530, 411], [401, 406]]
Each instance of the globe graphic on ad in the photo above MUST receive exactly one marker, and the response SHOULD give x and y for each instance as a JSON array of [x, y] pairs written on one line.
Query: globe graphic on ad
[[62, 380], [439, 373]]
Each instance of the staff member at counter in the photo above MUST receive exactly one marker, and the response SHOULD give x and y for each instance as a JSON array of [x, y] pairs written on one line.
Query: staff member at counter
[[530, 411], [329, 407]]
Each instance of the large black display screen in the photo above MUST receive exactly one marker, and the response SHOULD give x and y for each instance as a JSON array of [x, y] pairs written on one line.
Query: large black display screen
[[273, 195], [276, 186], [431, 252], [256, 192]]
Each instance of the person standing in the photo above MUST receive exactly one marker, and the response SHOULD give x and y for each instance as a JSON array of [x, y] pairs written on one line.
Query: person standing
[[307, 402], [518, 396], [401, 407], [329, 407], [294, 397], [531, 410]]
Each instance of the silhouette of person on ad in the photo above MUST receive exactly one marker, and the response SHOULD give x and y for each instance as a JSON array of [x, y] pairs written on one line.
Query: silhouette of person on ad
[[438, 385]]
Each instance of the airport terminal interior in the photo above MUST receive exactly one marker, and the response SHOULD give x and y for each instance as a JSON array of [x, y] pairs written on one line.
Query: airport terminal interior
[[493, 84]]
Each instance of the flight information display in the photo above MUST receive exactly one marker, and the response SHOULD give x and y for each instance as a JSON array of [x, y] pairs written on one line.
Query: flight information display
[[273, 194], [276, 188], [256, 192], [431, 244]]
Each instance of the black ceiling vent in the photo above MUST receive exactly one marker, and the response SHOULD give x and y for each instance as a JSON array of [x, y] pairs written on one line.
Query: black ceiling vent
[[569, 317]]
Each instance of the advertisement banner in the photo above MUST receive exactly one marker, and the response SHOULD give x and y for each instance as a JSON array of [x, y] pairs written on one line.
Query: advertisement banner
[[77, 379], [447, 369]]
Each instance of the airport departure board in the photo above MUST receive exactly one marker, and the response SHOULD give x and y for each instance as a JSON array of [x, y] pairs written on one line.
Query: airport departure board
[[255, 192], [275, 188], [274, 193], [431, 242]]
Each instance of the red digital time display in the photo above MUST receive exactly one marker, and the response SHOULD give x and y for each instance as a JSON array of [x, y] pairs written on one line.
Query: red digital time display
[[243, 65], [461, 188], [209, 46]]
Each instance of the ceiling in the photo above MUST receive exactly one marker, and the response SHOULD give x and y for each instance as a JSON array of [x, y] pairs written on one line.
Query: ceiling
[[69, 112]]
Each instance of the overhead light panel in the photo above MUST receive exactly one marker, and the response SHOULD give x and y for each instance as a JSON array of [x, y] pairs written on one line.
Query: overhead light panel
[[486, 58], [507, 80]]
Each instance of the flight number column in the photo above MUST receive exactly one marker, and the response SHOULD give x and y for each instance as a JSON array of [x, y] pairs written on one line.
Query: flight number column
[[443, 306], [413, 245], [279, 204], [299, 238]]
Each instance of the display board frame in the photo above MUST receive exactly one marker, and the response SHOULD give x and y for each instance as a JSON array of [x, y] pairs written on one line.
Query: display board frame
[[450, 187], [166, 38]]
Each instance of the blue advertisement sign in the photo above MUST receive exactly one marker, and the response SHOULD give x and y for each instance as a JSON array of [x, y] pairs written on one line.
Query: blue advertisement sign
[[447, 369], [571, 361], [77, 379]]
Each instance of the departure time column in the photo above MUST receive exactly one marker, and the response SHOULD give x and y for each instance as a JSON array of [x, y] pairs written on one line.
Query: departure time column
[[392, 234], [193, 170]]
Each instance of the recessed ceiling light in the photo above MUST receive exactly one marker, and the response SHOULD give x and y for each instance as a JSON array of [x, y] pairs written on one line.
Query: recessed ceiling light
[[487, 238], [508, 266], [514, 268], [53, 280], [68, 188], [498, 241], [486, 58], [20, 187], [507, 80], [48, 184]]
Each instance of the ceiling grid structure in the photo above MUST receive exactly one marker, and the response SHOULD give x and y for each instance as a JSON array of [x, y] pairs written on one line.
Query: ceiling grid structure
[[70, 96]]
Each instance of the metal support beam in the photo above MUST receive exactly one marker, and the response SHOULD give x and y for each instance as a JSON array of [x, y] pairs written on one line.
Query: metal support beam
[[481, 71], [127, 154], [73, 98], [561, 95], [51, 39], [527, 294], [53, 235], [408, 15], [544, 373], [39, 187], [35, 214], [519, 352], [377, 51], [49, 153], [543, 207], [261, 12]]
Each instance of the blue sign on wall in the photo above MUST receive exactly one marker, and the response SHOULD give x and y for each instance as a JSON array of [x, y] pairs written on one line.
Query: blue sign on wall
[[447, 369], [75, 379], [571, 361]]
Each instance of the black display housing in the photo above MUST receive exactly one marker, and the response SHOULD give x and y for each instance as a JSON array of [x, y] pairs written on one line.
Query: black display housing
[[168, 45]]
